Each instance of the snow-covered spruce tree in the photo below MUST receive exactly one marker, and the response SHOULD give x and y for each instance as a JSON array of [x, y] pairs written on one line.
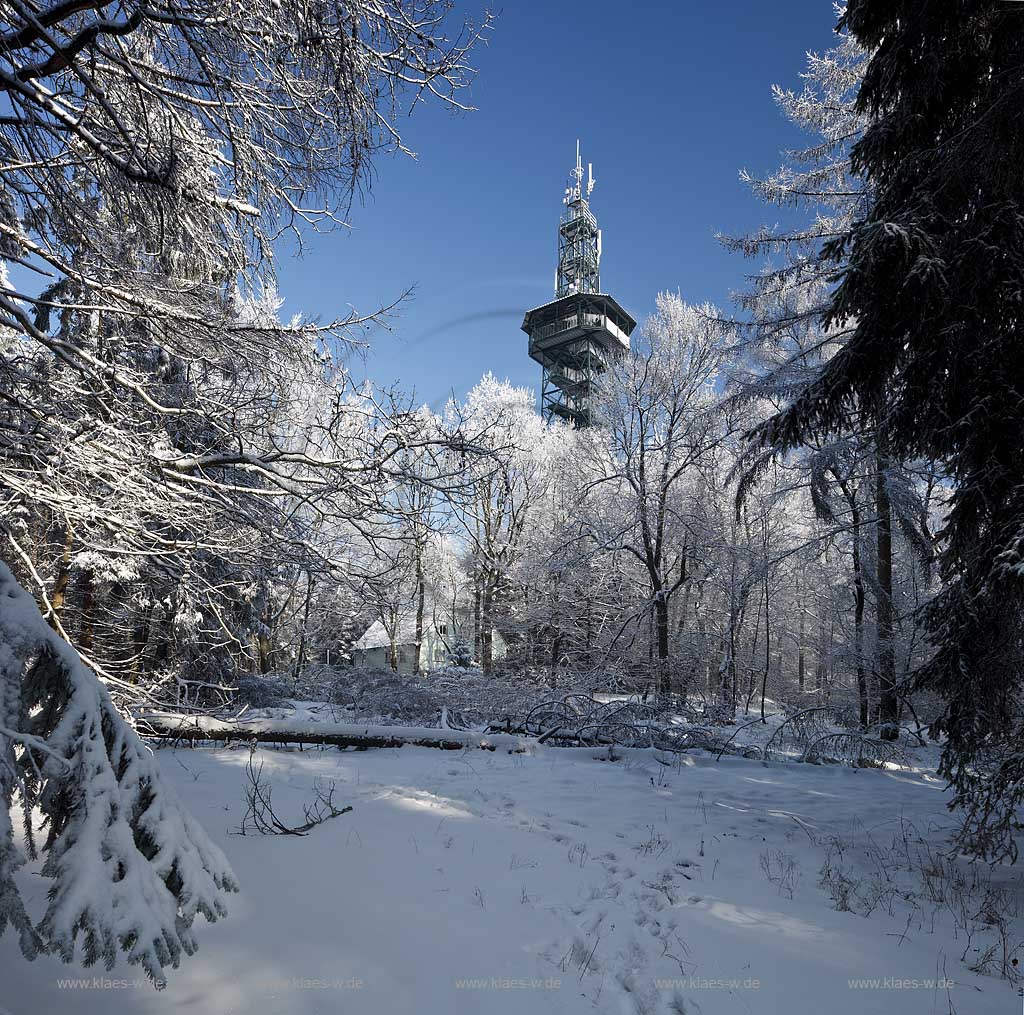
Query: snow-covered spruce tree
[[783, 344], [129, 867], [461, 653], [858, 485], [930, 289]]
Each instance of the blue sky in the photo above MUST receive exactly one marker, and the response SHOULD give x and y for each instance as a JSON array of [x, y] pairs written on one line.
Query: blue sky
[[670, 101]]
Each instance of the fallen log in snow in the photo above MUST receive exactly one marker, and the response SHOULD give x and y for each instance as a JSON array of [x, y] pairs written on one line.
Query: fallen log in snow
[[179, 727]]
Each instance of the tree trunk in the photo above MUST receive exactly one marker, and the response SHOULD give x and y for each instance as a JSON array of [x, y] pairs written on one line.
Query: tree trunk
[[684, 588], [556, 652], [477, 647], [888, 709], [300, 656], [727, 667], [702, 634], [662, 622], [140, 639], [266, 651], [421, 597], [163, 643], [751, 682], [801, 663], [590, 633], [60, 585], [858, 620], [767, 645], [279, 731], [821, 667], [87, 626], [487, 630]]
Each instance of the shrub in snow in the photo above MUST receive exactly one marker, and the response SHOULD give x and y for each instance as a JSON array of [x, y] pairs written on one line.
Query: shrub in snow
[[384, 693], [261, 692], [130, 868], [471, 697]]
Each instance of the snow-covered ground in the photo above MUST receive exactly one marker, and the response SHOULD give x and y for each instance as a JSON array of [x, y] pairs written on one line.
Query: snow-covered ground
[[560, 881]]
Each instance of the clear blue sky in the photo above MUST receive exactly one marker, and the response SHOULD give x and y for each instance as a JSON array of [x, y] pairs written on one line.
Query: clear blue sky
[[670, 101]]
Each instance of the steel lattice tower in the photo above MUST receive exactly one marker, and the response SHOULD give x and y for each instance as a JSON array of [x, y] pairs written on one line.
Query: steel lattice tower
[[574, 337]]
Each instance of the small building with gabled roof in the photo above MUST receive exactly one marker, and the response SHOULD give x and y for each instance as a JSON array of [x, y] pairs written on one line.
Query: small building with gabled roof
[[441, 633]]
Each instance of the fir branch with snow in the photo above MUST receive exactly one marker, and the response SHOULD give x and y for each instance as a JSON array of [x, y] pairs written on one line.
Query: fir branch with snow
[[130, 868]]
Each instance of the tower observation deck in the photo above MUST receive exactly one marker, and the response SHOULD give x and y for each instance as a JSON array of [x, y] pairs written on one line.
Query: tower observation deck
[[576, 336]]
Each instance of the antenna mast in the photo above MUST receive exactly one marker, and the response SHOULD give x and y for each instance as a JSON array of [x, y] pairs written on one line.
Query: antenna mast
[[579, 239]]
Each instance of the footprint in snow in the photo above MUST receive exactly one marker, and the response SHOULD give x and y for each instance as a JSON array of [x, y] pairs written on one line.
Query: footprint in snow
[[633, 956]]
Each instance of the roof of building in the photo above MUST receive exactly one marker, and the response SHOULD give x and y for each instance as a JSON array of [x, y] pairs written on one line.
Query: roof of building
[[376, 635]]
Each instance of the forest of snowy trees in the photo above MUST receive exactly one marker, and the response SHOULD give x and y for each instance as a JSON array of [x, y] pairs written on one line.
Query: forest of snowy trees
[[812, 497]]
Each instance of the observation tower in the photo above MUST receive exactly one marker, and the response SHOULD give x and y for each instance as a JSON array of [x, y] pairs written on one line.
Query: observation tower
[[575, 337]]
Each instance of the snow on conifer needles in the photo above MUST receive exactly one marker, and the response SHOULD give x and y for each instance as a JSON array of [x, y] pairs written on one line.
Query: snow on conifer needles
[[130, 868]]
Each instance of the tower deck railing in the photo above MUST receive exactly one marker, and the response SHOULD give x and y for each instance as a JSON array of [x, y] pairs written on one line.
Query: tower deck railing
[[578, 320]]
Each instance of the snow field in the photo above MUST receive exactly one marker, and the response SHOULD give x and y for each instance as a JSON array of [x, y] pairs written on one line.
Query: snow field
[[565, 882]]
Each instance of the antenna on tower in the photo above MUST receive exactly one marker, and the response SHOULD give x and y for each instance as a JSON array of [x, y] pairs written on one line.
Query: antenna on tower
[[576, 337], [575, 190]]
